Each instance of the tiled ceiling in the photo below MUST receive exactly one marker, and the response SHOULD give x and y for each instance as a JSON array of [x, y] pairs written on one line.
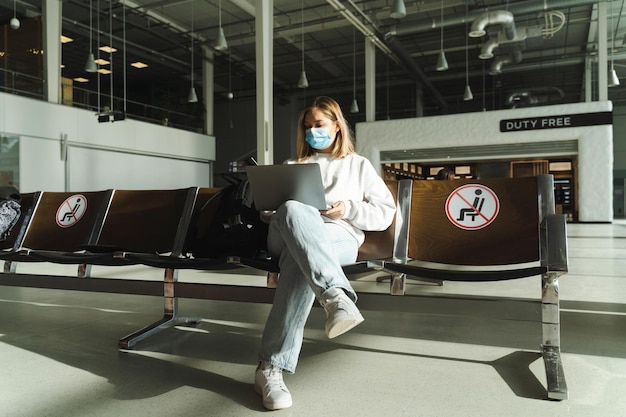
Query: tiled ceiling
[[544, 64]]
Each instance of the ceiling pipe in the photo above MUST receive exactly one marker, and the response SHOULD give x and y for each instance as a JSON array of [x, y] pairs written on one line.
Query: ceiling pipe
[[519, 8], [534, 96], [496, 66], [486, 51], [494, 17], [521, 67]]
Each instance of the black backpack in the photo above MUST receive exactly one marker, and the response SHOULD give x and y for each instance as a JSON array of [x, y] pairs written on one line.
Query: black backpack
[[10, 199], [228, 224]]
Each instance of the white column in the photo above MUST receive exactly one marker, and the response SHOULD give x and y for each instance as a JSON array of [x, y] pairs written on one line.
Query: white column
[[603, 92], [370, 81], [208, 89], [264, 81], [52, 49]]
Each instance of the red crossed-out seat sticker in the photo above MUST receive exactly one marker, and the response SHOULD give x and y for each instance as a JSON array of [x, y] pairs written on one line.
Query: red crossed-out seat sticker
[[71, 210], [472, 206]]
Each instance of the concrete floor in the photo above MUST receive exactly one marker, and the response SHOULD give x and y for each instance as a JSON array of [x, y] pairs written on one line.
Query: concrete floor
[[60, 356]]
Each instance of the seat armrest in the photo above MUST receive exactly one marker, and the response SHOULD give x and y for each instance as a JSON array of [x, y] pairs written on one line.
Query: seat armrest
[[554, 243]]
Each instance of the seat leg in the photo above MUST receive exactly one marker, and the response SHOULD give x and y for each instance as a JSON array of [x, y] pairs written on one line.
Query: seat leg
[[84, 271], [436, 282], [551, 335], [170, 315], [10, 267], [398, 284]]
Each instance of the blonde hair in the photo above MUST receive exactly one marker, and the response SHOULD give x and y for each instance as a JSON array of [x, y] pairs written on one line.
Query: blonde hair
[[344, 141]]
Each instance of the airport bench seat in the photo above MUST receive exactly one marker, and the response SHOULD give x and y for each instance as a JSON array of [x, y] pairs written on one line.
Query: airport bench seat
[[458, 230]]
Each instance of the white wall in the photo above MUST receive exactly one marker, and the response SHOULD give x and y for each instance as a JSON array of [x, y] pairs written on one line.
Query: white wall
[[595, 144], [126, 154]]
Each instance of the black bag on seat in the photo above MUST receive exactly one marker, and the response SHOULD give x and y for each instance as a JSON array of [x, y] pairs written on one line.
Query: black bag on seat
[[228, 224], [9, 209]]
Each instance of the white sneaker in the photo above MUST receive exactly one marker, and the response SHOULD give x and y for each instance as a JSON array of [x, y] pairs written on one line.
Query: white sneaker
[[342, 314], [268, 381]]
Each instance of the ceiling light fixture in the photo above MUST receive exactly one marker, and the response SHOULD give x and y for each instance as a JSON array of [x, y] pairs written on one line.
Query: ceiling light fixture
[[14, 22], [108, 113], [302, 82], [354, 108], [90, 65], [442, 62], [613, 78], [107, 49], [193, 97], [220, 43], [467, 94], [230, 94], [398, 10]]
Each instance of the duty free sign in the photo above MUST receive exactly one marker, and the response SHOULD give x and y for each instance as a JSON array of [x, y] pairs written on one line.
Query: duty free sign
[[556, 122]]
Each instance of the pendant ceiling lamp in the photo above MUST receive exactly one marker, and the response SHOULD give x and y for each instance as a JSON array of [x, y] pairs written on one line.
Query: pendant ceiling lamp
[[90, 65], [193, 97], [220, 43], [14, 22], [302, 81], [354, 108], [467, 94], [442, 62], [230, 94], [613, 78], [398, 10]]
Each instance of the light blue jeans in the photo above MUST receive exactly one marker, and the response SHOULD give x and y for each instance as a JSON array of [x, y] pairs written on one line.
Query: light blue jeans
[[310, 253]]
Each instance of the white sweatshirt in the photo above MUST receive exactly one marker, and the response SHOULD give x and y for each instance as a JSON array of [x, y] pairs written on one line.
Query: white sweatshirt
[[353, 180]]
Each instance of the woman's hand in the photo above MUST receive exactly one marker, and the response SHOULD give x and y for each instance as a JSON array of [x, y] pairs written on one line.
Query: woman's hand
[[336, 211]]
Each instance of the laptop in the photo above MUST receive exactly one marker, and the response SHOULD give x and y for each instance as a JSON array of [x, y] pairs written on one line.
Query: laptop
[[272, 185]]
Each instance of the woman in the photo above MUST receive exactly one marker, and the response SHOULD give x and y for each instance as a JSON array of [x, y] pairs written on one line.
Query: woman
[[312, 244]]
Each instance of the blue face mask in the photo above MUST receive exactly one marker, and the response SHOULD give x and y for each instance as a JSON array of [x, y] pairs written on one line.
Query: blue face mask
[[318, 138]]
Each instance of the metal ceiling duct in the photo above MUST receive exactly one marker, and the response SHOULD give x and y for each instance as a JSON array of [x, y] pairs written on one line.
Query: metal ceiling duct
[[486, 52], [517, 8], [494, 17], [496, 66], [522, 7], [508, 34], [534, 96]]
